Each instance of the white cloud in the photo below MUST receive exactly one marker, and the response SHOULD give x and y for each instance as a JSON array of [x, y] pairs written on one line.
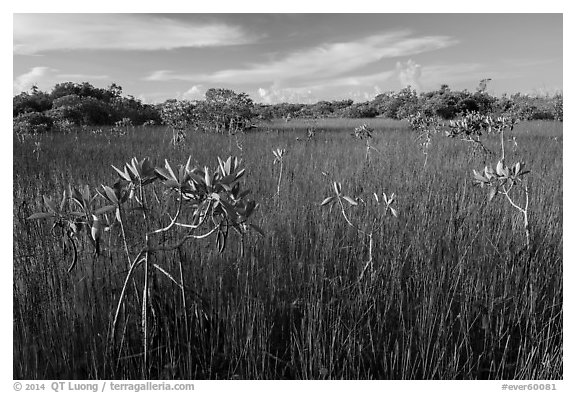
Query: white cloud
[[36, 33], [305, 95], [320, 63], [196, 92], [274, 95], [25, 81], [409, 74], [358, 88]]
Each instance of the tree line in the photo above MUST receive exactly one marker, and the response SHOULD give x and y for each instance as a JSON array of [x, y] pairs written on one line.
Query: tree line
[[444, 103], [72, 104]]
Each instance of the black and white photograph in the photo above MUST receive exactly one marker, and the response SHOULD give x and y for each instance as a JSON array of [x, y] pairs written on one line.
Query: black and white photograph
[[352, 196]]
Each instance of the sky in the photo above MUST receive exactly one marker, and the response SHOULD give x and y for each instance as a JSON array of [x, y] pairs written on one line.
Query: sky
[[289, 57]]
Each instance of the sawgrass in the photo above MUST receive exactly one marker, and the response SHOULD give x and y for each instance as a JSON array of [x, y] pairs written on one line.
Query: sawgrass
[[453, 293]]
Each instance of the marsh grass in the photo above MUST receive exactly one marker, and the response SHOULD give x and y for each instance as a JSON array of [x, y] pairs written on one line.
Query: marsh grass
[[454, 293]]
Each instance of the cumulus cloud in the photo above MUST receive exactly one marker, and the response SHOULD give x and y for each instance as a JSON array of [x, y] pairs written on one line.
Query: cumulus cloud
[[25, 81], [358, 90], [409, 74], [319, 63], [274, 95], [196, 92], [37, 33]]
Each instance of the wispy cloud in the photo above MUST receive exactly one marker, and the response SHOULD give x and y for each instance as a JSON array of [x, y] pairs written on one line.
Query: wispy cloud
[[26, 80], [321, 62], [167, 75], [38, 33]]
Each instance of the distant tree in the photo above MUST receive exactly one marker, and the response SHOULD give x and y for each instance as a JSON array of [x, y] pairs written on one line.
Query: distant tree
[[558, 102], [397, 105], [228, 111], [69, 100], [406, 102], [179, 115], [85, 89], [114, 91], [484, 101], [264, 112], [283, 110], [322, 109], [65, 89], [384, 104], [82, 110], [32, 123], [67, 108], [341, 105], [96, 112], [503, 104], [133, 109], [467, 104], [360, 110], [526, 107], [442, 103], [35, 101]]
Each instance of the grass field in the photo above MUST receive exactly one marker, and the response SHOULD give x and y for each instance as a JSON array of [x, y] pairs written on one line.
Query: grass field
[[453, 293]]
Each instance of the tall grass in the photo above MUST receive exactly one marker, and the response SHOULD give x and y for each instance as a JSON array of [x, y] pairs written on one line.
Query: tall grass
[[454, 294]]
